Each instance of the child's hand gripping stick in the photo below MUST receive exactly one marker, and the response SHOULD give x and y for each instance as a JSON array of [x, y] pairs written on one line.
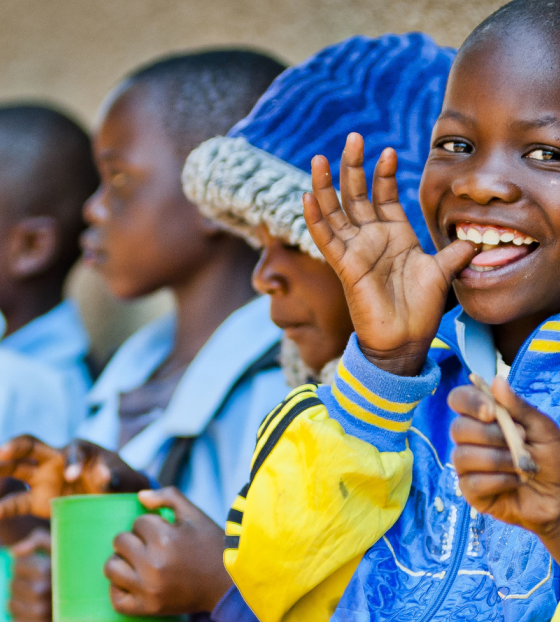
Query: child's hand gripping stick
[[524, 464]]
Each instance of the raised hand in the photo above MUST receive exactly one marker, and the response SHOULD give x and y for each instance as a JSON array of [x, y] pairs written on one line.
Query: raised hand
[[80, 468], [485, 467], [396, 293], [163, 569]]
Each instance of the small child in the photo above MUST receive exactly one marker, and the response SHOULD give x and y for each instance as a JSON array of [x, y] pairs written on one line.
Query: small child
[[46, 173], [252, 181], [489, 195], [181, 400]]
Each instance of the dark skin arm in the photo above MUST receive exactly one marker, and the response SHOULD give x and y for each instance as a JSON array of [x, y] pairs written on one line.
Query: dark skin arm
[[168, 569], [485, 468], [80, 468]]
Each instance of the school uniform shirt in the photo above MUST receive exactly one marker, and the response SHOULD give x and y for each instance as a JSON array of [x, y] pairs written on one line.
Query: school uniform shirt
[[213, 402], [59, 340], [441, 560]]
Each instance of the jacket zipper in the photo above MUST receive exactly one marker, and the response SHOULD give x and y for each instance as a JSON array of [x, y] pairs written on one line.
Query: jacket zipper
[[453, 568]]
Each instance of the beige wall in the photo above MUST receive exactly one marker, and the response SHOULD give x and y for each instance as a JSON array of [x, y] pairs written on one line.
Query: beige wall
[[73, 51]]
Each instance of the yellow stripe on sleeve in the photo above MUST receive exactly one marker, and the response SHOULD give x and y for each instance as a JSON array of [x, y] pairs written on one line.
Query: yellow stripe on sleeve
[[239, 504], [554, 326], [372, 398], [233, 529], [439, 344], [545, 346], [369, 417]]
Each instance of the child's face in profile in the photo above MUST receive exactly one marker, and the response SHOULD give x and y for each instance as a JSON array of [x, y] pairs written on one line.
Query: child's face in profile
[[143, 233], [493, 176], [306, 300]]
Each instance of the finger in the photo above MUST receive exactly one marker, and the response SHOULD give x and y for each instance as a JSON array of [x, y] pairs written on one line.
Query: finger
[[124, 602], [465, 430], [32, 567], [151, 529], [85, 467], [27, 446], [169, 497], [121, 574], [454, 258], [18, 504], [25, 611], [385, 190], [479, 488], [320, 230], [38, 540], [472, 402], [353, 184], [128, 546], [326, 196], [36, 588], [479, 459]]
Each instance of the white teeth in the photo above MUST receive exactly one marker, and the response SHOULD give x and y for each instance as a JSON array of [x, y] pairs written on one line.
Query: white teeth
[[461, 233], [507, 237], [491, 236], [518, 241], [528, 240], [474, 236], [481, 268]]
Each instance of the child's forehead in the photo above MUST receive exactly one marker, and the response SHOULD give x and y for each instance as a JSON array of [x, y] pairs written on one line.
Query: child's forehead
[[520, 74]]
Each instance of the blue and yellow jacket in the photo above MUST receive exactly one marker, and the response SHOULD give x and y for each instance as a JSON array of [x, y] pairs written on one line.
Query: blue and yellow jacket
[[440, 560]]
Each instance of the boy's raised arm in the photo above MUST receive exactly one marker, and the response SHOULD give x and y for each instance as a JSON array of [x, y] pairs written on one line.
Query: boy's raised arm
[[396, 293]]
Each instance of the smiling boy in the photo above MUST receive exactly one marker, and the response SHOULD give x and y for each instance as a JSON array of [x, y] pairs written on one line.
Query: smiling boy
[[489, 195]]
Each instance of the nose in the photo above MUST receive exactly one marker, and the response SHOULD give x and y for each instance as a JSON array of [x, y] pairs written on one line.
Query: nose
[[268, 276], [95, 211], [486, 181]]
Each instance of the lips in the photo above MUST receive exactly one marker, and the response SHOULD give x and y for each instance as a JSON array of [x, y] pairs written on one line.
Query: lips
[[93, 254]]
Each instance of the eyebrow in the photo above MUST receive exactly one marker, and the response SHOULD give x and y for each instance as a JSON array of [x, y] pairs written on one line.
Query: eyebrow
[[457, 116], [531, 124]]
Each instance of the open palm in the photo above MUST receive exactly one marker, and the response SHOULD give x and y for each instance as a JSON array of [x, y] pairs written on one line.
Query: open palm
[[396, 293]]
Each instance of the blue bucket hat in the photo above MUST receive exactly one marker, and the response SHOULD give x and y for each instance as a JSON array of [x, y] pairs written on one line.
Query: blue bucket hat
[[389, 89]]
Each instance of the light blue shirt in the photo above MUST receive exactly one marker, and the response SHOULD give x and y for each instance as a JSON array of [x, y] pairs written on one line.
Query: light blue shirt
[[44, 378], [209, 403]]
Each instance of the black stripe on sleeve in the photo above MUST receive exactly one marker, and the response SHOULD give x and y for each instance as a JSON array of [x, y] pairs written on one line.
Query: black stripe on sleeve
[[232, 542], [235, 516], [243, 492], [280, 429]]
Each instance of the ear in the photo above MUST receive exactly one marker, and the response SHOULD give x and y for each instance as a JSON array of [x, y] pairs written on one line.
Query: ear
[[33, 245]]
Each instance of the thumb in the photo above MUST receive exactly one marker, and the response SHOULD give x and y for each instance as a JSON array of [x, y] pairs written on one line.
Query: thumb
[[171, 498], [38, 540], [454, 258]]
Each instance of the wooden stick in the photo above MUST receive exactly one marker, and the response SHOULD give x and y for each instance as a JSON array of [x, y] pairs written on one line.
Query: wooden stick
[[524, 464]]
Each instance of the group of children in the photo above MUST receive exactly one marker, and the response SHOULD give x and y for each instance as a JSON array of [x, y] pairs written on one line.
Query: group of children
[[327, 428]]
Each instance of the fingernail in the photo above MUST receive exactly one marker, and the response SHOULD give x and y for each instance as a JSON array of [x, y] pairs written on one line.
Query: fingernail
[[72, 472]]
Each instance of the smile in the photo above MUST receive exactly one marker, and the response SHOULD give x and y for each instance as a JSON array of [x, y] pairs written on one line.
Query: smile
[[499, 246]]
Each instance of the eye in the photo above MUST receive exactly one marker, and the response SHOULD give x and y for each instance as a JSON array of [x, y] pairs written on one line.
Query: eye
[[455, 146], [544, 155]]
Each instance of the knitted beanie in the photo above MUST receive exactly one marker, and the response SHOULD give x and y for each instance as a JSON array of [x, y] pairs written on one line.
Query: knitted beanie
[[389, 89]]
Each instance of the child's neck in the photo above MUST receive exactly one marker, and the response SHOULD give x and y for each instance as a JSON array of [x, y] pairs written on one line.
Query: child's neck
[[28, 304], [509, 337], [205, 301]]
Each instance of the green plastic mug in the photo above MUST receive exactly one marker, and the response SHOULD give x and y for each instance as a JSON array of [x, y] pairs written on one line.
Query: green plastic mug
[[83, 528]]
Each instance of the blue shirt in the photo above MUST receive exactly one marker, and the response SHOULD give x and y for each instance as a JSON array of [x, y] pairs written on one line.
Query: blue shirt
[[58, 339], [209, 403]]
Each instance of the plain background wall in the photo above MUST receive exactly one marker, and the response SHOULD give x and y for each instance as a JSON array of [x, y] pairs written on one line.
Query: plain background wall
[[74, 51]]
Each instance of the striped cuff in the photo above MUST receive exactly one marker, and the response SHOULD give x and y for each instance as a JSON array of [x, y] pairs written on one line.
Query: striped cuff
[[372, 404]]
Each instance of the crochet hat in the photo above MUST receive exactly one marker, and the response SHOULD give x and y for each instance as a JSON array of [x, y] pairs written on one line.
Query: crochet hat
[[389, 89]]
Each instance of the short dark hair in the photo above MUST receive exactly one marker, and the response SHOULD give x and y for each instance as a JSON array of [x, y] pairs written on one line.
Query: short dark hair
[[47, 169], [543, 15], [203, 94]]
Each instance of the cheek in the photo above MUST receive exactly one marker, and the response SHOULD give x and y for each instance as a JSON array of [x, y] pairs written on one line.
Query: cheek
[[434, 185]]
